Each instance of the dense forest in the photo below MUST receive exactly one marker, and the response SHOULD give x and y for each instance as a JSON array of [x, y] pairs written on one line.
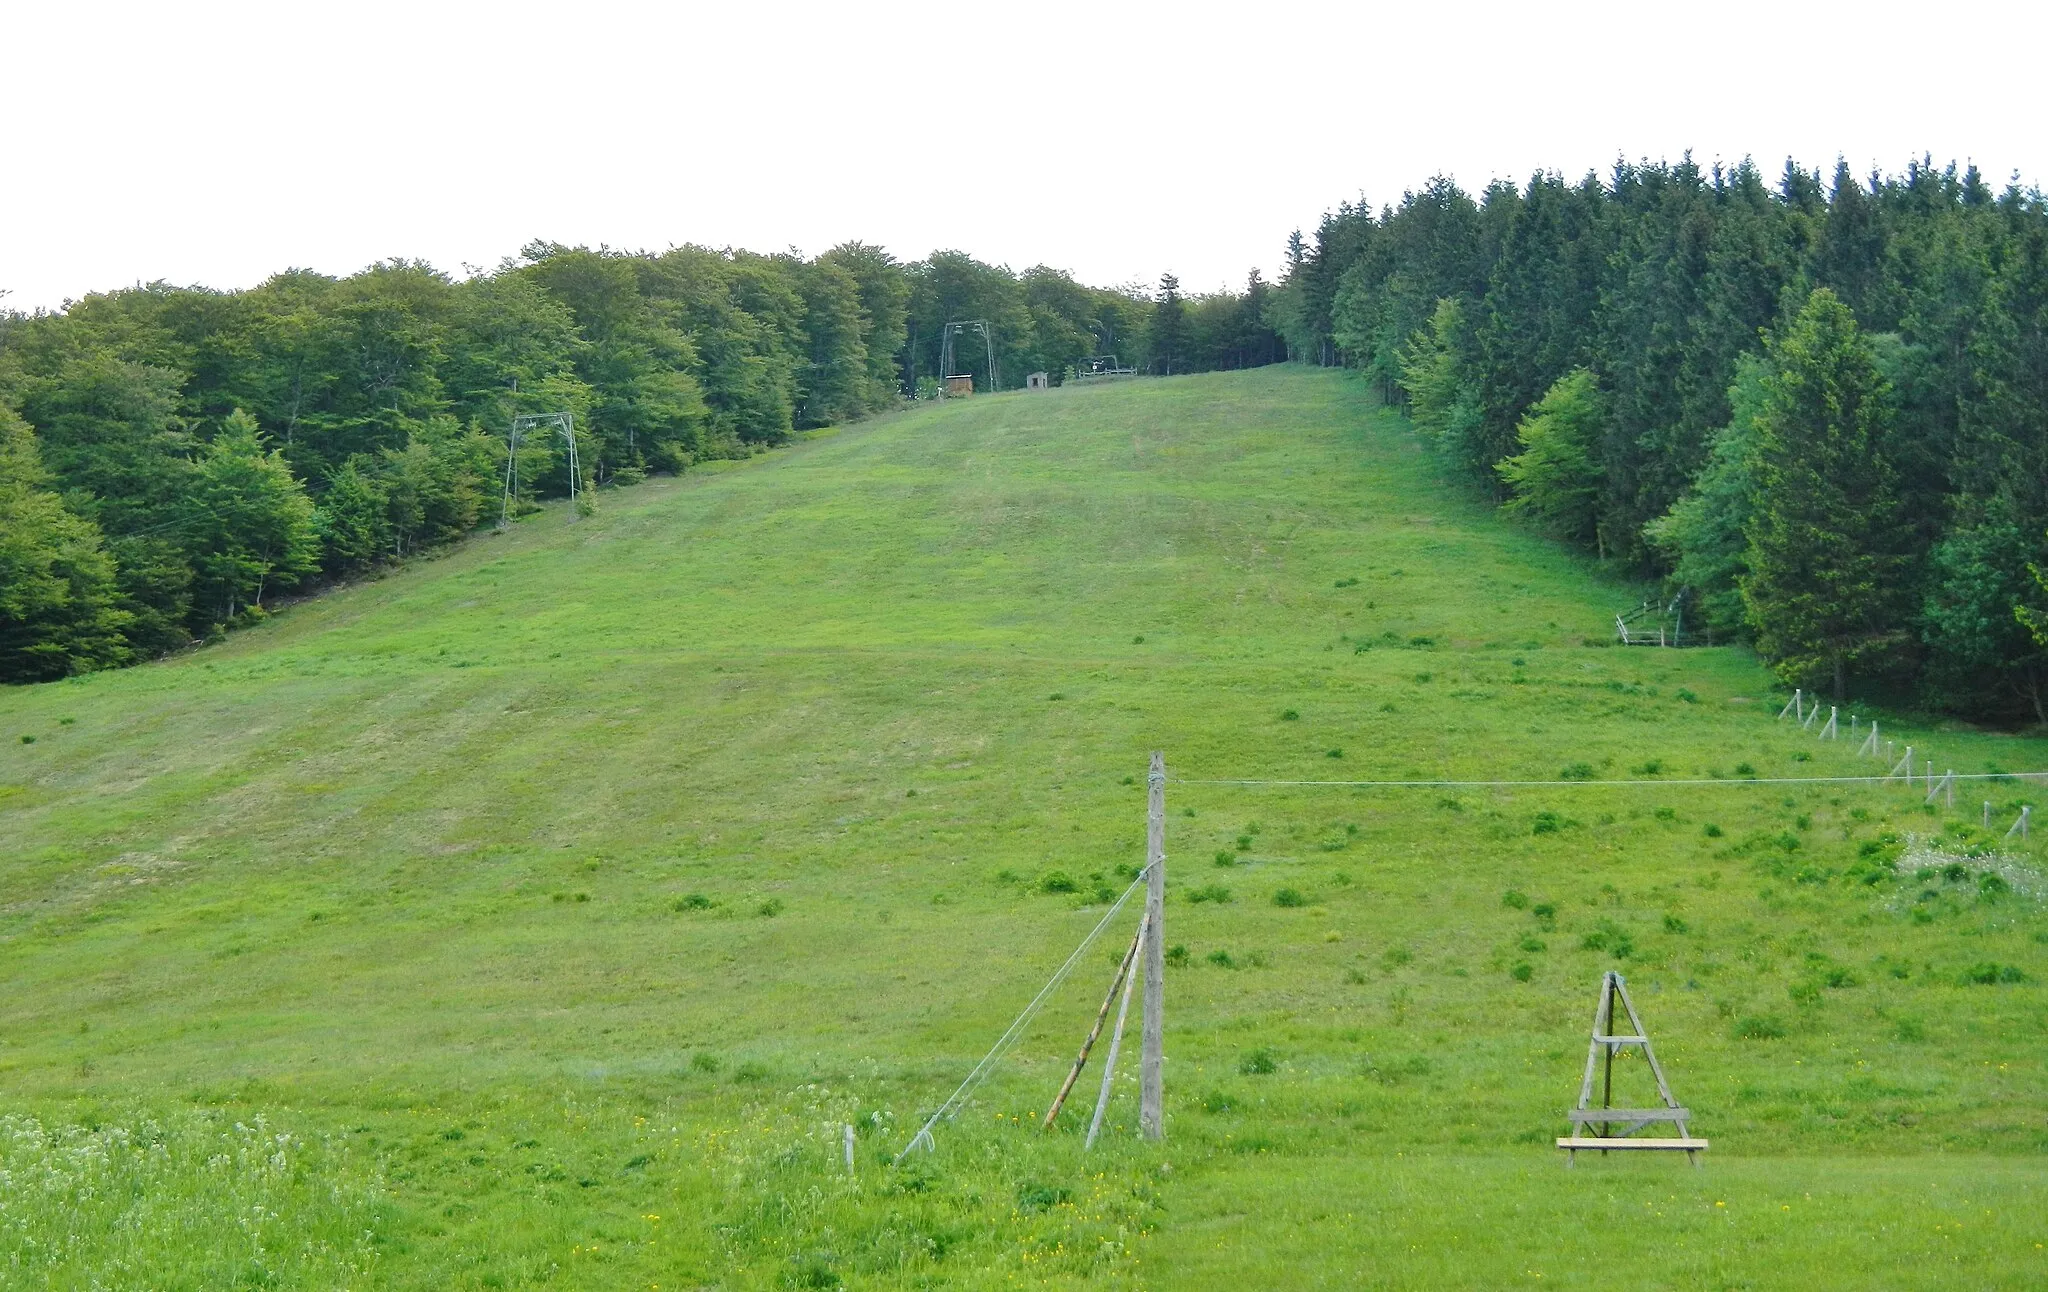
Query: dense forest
[[1819, 408], [171, 458]]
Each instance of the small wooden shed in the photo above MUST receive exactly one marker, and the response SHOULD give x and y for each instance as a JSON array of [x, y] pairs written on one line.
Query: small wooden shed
[[960, 385], [1038, 381]]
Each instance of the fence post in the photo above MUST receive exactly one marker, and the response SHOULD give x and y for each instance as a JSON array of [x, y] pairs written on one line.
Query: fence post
[[1151, 1087]]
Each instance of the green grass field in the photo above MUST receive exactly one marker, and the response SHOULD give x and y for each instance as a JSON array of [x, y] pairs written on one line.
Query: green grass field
[[535, 917]]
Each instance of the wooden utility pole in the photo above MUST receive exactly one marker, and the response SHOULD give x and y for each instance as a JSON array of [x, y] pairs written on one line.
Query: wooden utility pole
[[1151, 1095]]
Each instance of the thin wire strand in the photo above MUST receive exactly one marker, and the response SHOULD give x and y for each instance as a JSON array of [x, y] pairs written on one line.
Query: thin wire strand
[[1728, 780], [1015, 1031]]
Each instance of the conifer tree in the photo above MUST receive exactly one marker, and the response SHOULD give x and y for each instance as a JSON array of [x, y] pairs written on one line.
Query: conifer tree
[[1168, 335], [1440, 392], [57, 594], [1828, 586]]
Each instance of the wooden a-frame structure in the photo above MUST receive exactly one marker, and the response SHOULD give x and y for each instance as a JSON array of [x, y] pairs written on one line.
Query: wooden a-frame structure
[[1605, 1045]]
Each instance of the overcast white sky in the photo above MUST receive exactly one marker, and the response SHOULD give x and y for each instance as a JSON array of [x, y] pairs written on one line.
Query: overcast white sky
[[216, 143]]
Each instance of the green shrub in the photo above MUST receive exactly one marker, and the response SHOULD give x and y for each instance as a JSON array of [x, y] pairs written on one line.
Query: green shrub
[[1711, 830], [1057, 881], [1258, 1063], [1745, 769], [1289, 897], [693, 902], [1534, 944], [1041, 1197], [1177, 954], [1225, 857], [1522, 972], [1988, 972], [1609, 937], [1514, 900], [1221, 959], [1546, 823], [1544, 911], [1288, 715]]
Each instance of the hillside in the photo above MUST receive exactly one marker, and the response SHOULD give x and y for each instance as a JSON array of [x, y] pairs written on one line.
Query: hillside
[[559, 898]]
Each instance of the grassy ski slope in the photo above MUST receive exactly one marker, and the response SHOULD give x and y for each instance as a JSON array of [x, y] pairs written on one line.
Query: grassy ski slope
[[534, 917]]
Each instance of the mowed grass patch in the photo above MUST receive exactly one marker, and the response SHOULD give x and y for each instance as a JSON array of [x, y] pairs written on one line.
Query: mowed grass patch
[[605, 869]]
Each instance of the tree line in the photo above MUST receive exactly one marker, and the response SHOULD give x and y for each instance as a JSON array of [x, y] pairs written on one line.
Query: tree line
[[1818, 407], [173, 457]]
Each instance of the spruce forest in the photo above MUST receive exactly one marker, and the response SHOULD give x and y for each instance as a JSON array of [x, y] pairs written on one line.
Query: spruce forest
[[1819, 408]]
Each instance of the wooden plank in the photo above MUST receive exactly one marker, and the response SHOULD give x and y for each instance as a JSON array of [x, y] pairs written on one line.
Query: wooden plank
[[1592, 1142], [1629, 1115]]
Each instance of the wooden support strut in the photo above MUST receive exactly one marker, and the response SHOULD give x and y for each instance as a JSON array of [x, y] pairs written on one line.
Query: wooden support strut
[[1116, 1043], [1081, 1059]]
